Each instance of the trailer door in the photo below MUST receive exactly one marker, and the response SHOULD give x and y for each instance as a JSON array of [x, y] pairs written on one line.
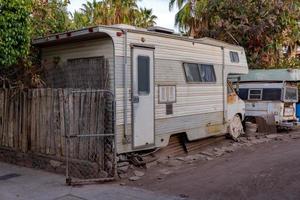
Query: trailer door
[[143, 97]]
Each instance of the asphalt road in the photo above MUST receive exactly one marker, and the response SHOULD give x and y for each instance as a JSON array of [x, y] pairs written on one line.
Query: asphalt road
[[19, 183], [264, 171]]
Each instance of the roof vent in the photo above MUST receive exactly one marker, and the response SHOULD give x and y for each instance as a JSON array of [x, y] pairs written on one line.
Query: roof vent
[[160, 30]]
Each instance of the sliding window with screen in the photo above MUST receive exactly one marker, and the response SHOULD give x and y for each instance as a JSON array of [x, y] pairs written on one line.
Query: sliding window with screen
[[199, 73]]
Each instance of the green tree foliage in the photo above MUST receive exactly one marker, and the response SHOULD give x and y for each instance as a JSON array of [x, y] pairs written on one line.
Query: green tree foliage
[[264, 28], [14, 31], [108, 12], [22, 20], [145, 18], [49, 17]]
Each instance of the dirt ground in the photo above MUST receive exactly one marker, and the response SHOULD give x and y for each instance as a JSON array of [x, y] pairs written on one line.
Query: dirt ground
[[266, 167]]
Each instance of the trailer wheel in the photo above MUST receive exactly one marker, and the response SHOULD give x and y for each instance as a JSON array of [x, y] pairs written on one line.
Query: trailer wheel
[[236, 127]]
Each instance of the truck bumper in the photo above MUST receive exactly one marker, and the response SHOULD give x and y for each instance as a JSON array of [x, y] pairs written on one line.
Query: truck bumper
[[289, 124]]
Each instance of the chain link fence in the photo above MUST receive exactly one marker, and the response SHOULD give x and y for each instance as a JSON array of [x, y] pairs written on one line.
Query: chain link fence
[[90, 139]]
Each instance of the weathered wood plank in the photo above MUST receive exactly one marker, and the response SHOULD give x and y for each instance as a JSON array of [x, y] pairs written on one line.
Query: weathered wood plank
[[86, 122], [55, 146], [18, 130], [24, 116], [1, 115], [28, 119], [33, 146], [80, 125], [49, 120], [76, 124], [17, 120], [71, 123], [99, 121], [38, 120], [11, 122], [67, 121], [60, 129], [42, 124], [47, 117], [38, 115], [5, 119], [92, 126], [62, 134]]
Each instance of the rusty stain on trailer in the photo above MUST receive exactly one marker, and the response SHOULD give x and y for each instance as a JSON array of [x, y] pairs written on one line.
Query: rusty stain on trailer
[[231, 98], [214, 128]]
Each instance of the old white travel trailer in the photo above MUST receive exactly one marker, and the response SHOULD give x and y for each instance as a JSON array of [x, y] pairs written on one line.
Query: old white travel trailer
[[163, 83], [272, 95]]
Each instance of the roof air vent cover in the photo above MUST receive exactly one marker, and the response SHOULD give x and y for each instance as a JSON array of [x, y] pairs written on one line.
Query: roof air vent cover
[[160, 30]]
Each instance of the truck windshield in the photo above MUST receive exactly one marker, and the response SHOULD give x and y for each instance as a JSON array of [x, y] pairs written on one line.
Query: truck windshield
[[291, 94]]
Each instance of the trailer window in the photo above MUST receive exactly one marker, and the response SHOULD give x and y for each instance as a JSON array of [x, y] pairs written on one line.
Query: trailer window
[[234, 57], [255, 94], [291, 94], [192, 72], [143, 75], [207, 73], [271, 94], [199, 73]]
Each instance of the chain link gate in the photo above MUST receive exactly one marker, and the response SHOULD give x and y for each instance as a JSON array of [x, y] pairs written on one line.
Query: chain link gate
[[90, 139]]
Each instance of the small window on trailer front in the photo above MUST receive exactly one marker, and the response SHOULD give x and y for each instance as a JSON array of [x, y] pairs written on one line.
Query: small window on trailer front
[[197, 73], [234, 57], [291, 94], [255, 94]]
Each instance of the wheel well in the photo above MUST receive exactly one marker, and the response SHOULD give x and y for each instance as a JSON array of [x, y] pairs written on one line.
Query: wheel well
[[250, 119], [182, 135]]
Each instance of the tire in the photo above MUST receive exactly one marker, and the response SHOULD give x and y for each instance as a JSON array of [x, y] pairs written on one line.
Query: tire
[[236, 127]]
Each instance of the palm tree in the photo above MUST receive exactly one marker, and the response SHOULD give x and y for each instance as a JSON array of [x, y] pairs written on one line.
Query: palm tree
[[145, 18], [184, 17], [88, 10], [80, 20], [108, 12], [123, 11], [192, 16]]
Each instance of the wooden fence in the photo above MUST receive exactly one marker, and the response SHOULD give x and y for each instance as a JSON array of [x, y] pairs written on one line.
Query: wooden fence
[[38, 120]]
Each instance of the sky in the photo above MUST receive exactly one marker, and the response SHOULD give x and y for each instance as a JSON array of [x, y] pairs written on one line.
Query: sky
[[165, 18]]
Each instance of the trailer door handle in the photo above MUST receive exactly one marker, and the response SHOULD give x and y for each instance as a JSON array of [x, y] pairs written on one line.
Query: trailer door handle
[[135, 99]]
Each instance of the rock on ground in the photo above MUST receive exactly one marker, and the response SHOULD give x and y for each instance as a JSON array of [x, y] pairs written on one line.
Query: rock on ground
[[134, 178], [138, 173]]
